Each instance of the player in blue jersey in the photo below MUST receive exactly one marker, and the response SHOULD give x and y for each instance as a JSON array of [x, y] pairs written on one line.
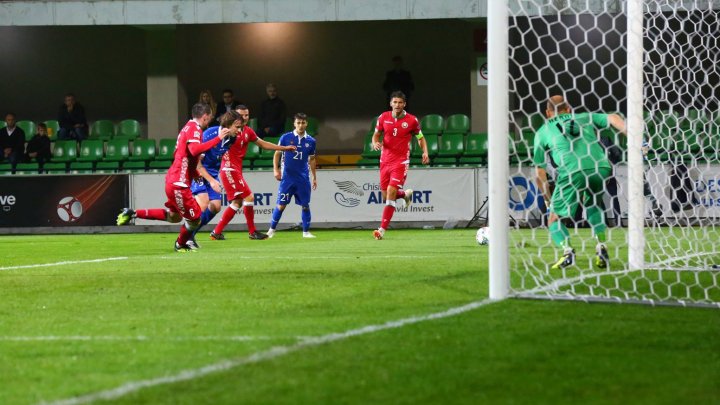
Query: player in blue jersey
[[297, 174], [207, 189]]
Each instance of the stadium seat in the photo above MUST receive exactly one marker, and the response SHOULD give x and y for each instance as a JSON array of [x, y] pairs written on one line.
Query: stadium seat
[[262, 164], [55, 167], [313, 125], [128, 128], [81, 167], [373, 124], [252, 153], [521, 149], [159, 166], [252, 123], [117, 150], [368, 152], [137, 166], [64, 151], [450, 148], [166, 149], [107, 167], [5, 168], [432, 124], [28, 127], [27, 168], [476, 150], [143, 150], [102, 129], [3, 124], [432, 145], [289, 124], [457, 124], [53, 126], [368, 162], [91, 151]]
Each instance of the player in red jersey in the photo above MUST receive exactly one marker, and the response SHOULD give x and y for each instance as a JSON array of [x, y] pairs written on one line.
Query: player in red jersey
[[397, 127], [180, 203], [236, 188]]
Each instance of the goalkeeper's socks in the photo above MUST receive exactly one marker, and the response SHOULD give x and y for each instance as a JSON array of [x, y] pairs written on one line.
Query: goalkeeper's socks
[[559, 234]]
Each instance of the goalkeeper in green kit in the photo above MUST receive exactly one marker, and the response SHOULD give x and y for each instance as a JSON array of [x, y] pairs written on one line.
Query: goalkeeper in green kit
[[582, 168]]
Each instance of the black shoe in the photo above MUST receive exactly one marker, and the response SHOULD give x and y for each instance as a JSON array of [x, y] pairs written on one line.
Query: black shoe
[[216, 236], [182, 248], [125, 216], [258, 236], [601, 256], [567, 259]]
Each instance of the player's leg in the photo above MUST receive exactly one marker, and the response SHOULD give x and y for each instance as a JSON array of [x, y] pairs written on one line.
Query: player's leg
[[230, 183], [596, 219], [201, 196], [302, 198], [563, 204], [283, 198], [168, 214], [249, 211], [391, 180], [190, 210]]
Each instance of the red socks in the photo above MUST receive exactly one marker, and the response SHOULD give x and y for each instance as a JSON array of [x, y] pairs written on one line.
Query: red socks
[[153, 213], [227, 216], [387, 215], [249, 212]]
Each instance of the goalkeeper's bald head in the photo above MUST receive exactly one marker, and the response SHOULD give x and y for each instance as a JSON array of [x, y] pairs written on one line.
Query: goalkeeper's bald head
[[556, 105]]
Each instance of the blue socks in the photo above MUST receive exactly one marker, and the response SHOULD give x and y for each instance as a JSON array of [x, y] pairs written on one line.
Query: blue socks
[[276, 215], [305, 216]]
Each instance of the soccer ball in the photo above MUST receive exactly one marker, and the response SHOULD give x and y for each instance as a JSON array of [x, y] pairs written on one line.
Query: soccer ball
[[483, 236], [69, 209]]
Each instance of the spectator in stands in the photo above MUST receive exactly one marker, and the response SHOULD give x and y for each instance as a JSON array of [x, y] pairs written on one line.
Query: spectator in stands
[[229, 104], [398, 79], [38, 147], [206, 97], [73, 124], [272, 114], [12, 141]]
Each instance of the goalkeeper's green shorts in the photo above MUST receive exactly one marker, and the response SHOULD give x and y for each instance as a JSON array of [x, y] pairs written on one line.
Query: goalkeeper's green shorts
[[586, 186]]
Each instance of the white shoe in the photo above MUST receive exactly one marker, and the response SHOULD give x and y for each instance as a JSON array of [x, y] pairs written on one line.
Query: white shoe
[[308, 235], [270, 233], [408, 197]]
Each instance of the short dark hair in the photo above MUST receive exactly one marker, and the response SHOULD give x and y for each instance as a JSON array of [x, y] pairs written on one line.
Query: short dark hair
[[241, 107], [11, 113], [228, 91], [398, 94], [41, 125], [200, 109], [301, 116], [227, 119]]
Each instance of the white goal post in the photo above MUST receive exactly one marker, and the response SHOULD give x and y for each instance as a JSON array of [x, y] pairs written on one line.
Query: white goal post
[[655, 63]]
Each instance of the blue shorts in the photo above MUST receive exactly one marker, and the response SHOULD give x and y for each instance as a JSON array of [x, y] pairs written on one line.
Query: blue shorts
[[200, 186], [298, 189]]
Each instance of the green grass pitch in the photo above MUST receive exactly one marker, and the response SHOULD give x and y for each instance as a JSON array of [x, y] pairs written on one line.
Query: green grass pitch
[[297, 321]]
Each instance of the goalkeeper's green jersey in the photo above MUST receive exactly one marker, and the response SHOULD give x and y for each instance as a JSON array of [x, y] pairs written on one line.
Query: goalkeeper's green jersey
[[572, 142]]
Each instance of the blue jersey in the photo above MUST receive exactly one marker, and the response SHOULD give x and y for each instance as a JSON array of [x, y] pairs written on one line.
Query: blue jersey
[[295, 164], [213, 157]]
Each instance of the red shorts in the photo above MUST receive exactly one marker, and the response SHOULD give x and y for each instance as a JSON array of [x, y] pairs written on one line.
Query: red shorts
[[393, 174], [234, 184], [181, 199]]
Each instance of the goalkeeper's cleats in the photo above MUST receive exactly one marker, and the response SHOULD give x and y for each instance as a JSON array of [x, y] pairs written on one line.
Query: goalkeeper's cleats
[[378, 234], [125, 216], [182, 248], [601, 256], [567, 259], [216, 236], [408, 197]]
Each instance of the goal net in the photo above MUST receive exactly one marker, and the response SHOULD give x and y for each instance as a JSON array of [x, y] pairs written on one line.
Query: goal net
[[578, 49]]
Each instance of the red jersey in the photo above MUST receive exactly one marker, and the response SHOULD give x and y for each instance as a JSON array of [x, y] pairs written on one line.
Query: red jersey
[[397, 133], [184, 166], [233, 158]]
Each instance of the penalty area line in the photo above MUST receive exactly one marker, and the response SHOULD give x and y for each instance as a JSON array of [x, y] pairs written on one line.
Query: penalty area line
[[272, 353], [32, 266]]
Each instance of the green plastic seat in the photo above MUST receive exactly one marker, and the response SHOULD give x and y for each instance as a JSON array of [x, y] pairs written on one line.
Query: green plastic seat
[[267, 153], [262, 163], [368, 152], [159, 166], [81, 167], [28, 127], [129, 129], [64, 151], [253, 152], [91, 150], [107, 167], [432, 124], [102, 130], [27, 168], [253, 123], [55, 167], [3, 124], [137, 166], [53, 127], [450, 148], [433, 145], [368, 162], [166, 149], [143, 150], [457, 124], [117, 150], [313, 126], [476, 150]]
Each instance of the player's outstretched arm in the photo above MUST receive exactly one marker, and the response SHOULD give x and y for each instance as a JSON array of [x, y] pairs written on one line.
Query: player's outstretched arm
[[271, 146]]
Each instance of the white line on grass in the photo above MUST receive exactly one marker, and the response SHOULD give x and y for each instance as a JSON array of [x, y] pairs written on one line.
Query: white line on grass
[[269, 354], [31, 266], [141, 338]]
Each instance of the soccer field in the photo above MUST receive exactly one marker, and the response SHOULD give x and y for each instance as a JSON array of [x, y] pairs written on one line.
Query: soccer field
[[338, 319]]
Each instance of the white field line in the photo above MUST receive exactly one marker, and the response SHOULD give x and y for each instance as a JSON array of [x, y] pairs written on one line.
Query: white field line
[[141, 338], [274, 352], [32, 266]]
